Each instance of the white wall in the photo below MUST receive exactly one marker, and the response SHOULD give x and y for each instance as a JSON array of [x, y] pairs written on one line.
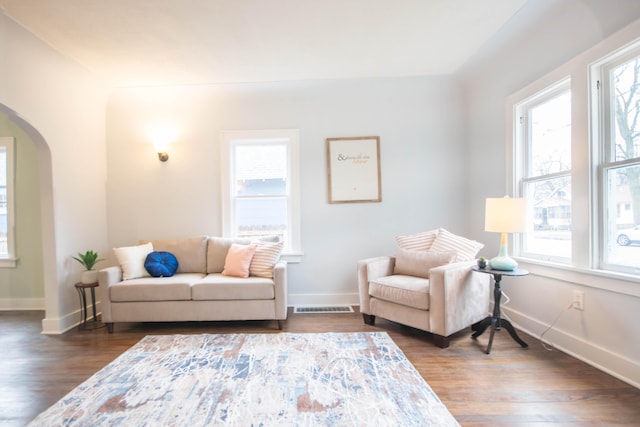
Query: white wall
[[422, 160], [61, 107], [606, 334]]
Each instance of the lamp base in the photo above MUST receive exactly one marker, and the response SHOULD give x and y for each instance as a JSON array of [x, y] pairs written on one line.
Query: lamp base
[[504, 263]]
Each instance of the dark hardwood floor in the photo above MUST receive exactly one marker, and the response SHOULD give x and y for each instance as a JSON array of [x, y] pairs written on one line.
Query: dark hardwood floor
[[511, 386]]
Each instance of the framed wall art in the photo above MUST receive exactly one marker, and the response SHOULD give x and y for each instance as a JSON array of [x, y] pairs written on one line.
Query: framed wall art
[[354, 169]]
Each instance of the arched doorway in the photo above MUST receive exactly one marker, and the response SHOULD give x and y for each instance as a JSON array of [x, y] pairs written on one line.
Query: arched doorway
[[45, 188]]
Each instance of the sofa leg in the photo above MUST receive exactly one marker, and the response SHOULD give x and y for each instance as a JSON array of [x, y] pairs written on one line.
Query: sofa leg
[[440, 341], [369, 319], [109, 327], [279, 324]]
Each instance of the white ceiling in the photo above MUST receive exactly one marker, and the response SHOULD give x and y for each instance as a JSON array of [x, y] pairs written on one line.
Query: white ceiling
[[150, 42]]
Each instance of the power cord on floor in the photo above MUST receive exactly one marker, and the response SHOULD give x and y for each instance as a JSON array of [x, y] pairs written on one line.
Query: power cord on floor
[[546, 347], [552, 347]]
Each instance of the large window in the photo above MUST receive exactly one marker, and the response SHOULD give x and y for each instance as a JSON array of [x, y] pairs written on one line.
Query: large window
[[618, 80], [261, 185], [7, 253], [576, 159], [543, 171]]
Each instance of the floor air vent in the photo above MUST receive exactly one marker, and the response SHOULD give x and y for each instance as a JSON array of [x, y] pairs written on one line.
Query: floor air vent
[[331, 309]]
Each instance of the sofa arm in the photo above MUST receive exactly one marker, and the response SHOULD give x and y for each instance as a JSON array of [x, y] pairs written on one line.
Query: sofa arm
[[107, 277], [458, 297], [280, 282], [369, 269]]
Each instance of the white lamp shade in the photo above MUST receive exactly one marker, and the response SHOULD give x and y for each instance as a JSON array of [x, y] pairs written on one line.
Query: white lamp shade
[[505, 215]]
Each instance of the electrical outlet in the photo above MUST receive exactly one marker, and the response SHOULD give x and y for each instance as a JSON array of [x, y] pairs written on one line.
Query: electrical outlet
[[578, 300]]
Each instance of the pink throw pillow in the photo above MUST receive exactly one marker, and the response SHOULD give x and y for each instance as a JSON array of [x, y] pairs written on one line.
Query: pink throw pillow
[[238, 260]]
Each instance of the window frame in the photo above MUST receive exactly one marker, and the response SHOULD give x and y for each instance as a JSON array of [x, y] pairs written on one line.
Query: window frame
[[291, 139], [587, 229], [585, 202], [603, 152], [522, 149], [10, 259]]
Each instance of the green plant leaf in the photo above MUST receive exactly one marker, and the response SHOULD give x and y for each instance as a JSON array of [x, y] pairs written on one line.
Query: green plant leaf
[[88, 259]]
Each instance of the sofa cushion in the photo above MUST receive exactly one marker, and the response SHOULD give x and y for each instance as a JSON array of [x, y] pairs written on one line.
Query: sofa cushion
[[419, 263], [219, 287], [465, 248], [131, 260], [238, 260], [419, 241], [411, 291], [161, 264], [217, 248], [265, 258], [191, 253], [174, 288]]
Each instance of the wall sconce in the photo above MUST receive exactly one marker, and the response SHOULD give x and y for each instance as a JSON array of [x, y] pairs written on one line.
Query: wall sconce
[[161, 149], [161, 135]]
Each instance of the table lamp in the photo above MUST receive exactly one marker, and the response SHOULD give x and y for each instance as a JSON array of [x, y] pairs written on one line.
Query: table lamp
[[504, 215]]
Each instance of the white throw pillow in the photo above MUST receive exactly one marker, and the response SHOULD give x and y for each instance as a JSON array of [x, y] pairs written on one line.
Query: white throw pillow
[[265, 258], [131, 260], [419, 263], [465, 248], [417, 242]]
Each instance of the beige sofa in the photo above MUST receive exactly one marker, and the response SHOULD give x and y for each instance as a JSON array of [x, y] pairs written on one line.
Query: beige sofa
[[197, 292], [428, 285]]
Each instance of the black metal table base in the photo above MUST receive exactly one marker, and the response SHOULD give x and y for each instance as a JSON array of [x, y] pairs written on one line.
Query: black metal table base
[[495, 325], [85, 325], [495, 322]]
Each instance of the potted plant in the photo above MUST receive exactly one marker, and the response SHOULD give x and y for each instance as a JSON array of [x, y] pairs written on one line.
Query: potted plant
[[88, 260], [482, 262]]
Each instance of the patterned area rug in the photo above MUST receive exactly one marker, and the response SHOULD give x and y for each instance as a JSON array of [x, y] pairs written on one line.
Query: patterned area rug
[[331, 379]]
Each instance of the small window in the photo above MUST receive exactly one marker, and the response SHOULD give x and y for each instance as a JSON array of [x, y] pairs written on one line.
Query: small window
[[261, 185], [7, 238]]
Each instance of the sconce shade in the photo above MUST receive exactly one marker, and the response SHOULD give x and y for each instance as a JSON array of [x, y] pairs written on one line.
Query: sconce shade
[[505, 215]]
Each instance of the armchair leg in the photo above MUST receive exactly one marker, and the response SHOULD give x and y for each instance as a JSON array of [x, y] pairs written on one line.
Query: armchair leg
[[279, 324], [110, 327], [440, 341], [369, 319]]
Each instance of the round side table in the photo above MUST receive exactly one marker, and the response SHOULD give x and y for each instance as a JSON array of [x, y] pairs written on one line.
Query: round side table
[[495, 321], [82, 293]]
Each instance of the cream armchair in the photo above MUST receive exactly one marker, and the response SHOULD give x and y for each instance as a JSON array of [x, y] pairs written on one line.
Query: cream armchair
[[429, 292]]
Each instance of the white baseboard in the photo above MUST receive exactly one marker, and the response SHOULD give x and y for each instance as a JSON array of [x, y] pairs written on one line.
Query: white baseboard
[[60, 325], [613, 364], [21, 304], [323, 299]]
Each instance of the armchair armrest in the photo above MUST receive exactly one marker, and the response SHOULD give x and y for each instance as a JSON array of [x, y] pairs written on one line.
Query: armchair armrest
[[369, 269], [458, 297], [106, 277], [280, 281]]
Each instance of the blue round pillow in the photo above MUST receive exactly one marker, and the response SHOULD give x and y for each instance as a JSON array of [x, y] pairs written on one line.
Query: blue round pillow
[[161, 264]]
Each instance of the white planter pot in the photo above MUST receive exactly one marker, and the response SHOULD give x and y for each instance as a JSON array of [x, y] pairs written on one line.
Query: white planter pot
[[89, 276]]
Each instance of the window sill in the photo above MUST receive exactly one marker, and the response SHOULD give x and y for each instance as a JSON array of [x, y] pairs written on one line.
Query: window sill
[[8, 262], [292, 257], [606, 280]]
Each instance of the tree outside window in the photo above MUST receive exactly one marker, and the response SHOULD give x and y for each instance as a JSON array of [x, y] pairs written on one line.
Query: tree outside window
[[544, 144], [621, 165]]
